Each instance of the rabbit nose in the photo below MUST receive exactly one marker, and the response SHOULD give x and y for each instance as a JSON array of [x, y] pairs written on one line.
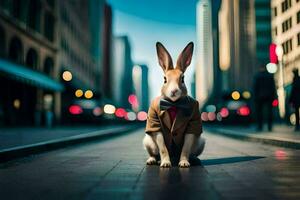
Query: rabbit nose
[[174, 91]]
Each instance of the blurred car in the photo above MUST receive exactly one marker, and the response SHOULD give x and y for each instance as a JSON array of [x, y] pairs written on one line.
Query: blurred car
[[235, 111], [85, 110]]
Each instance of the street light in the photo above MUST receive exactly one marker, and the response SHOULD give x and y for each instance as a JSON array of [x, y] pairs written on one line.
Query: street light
[[67, 76], [271, 68], [281, 93]]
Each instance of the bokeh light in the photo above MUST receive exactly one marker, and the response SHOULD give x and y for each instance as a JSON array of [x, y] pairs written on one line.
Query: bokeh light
[[235, 95], [75, 110], [120, 112], [142, 116], [88, 94], [97, 111], [109, 109], [275, 103], [211, 108], [78, 93], [131, 116], [219, 117], [211, 116], [271, 68], [17, 103], [246, 94], [204, 116], [67, 76], [132, 99], [243, 111], [224, 112]]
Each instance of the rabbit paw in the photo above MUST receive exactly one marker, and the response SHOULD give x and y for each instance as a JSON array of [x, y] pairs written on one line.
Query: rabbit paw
[[151, 161], [184, 163], [165, 163]]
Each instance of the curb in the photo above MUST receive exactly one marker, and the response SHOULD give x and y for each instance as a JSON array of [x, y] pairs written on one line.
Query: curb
[[272, 140], [25, 150]]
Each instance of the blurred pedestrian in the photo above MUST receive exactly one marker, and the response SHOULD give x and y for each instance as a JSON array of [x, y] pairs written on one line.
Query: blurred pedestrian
[[264, 94], [295, 96]]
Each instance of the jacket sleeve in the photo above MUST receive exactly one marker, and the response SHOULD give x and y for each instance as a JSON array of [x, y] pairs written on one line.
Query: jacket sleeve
[[195, 123], [153, 123]]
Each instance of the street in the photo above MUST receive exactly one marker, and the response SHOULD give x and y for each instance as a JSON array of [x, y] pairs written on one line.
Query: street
[[115, 169]]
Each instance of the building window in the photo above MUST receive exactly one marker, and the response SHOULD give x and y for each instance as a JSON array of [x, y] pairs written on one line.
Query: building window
[[49, 26], [298, 39], [32, 59], [287, 46], [287, 24], [275, 11], [34, 15], [286, 4], [275, 31], [298, 17], [49, 66]]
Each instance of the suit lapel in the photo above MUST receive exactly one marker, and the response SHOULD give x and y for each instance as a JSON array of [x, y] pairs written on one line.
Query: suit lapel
[[179, 121], [164, 115]]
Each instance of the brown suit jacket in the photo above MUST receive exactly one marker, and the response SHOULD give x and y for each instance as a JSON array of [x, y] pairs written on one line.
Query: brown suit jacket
[[187, 121]]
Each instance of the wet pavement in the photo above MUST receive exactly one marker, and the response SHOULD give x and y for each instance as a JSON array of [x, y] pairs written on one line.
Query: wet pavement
[[21, 136], [115, 169]]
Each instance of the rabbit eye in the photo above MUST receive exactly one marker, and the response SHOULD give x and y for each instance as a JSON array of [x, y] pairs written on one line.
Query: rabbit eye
[[165, 79], [182, 79]]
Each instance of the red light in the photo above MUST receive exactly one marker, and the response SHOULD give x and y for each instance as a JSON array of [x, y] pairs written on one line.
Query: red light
[[224, 112], [132, 99], [275, 103], [75, 110], [243, 111], [280, 154], [211, 116], [142, 116], [120, 112], [204, 116], [272, 54]]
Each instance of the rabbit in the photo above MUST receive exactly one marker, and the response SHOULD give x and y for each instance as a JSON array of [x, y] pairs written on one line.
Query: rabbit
[[163, 133]]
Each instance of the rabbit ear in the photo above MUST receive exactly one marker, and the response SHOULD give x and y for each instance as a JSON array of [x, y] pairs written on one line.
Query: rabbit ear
[[185, 58], [164, 58]]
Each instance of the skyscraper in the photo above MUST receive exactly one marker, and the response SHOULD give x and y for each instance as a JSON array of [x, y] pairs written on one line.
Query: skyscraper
[[237, 44], [286, 32], [204, 52], [121, 73], [140, 81], [263, 30]]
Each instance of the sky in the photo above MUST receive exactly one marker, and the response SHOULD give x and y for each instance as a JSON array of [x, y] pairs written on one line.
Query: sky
[[172, 22]]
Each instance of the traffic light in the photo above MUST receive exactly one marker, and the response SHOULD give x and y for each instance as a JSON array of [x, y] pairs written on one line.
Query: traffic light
[[272, 54]]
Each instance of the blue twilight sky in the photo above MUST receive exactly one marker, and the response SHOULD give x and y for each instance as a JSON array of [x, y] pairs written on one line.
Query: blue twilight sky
[[171, 22]]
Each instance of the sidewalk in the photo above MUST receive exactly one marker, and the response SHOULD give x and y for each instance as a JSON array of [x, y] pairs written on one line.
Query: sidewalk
[[18, 142], [282, 135]]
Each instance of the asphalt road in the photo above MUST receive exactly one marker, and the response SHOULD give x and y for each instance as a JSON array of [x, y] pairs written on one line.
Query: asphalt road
[[115, 169]]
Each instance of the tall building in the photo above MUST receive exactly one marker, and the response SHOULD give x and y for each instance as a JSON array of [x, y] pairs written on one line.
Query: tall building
[[107, 52], [237, 44], [204, 52], [263, 30], [121, 74], [80, 47], [29, 76], [141, 89], [286, 32], [96, 20]]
